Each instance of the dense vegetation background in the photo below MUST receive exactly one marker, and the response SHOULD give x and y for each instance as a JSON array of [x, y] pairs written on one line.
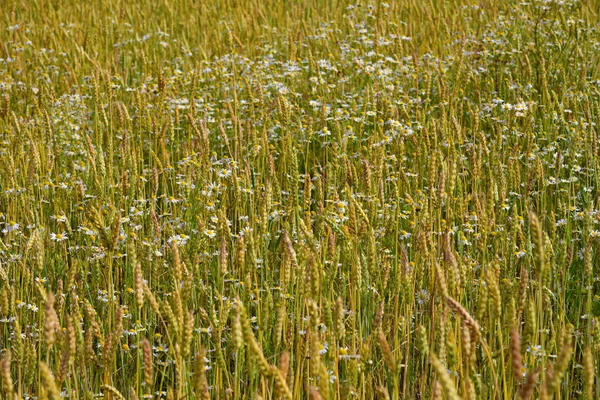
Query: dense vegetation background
[[282, 199]]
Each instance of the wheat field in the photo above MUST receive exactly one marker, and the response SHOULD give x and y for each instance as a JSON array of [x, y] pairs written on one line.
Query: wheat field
[[317, 199]]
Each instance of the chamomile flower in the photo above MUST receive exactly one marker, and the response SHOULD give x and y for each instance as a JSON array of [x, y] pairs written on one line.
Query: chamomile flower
[[58, 237]]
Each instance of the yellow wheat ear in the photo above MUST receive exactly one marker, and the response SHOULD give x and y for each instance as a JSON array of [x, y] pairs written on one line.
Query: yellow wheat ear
[[7, 382], [49, 382], [113, 390], [200, 382], [442, 375]]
